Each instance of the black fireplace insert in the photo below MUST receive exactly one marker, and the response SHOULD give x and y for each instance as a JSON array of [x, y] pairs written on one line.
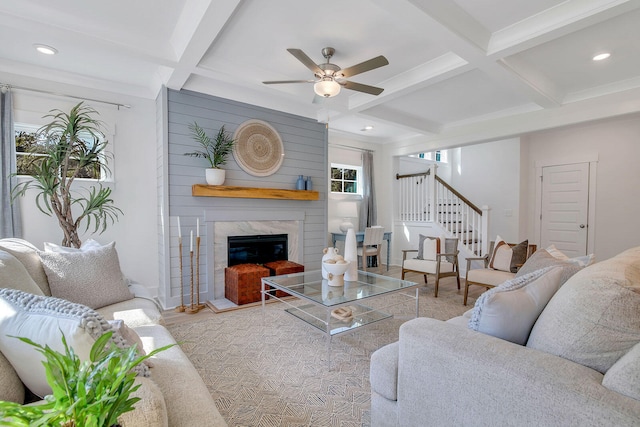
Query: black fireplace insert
[[257, 249]]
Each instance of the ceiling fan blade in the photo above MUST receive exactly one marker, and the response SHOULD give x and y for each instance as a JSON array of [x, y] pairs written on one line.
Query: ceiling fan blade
[[362, 88], [317, 99], [371, 64], [275, 82], [308, 62]]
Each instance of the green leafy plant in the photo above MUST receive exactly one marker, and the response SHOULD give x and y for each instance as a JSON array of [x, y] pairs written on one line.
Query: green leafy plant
[[216, 150], [91, 393], [74, 144]]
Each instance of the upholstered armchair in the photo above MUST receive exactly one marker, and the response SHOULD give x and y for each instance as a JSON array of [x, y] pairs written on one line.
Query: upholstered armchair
[[501, 263], [436, 256]]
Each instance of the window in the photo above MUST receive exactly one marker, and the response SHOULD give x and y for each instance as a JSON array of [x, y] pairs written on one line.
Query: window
[[438, 156], [31, 148], [346, 179]]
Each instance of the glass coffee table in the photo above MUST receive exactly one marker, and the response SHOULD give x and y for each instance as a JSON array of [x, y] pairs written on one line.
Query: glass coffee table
[[321, 299]]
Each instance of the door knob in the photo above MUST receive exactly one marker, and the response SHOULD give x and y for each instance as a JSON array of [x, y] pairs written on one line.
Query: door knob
[[582, 226]]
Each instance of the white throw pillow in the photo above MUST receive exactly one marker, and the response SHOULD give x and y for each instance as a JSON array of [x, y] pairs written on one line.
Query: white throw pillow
[[624, 376], [428, 247], [501, 257], [87, 245], [14, 275], [594, 319], [91, 278], [582, 261], [43, 320], [131, 337], [27, 254], [510, 310]]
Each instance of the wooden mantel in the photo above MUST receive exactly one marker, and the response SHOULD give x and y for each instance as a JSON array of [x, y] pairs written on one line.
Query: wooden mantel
[[201, 190]]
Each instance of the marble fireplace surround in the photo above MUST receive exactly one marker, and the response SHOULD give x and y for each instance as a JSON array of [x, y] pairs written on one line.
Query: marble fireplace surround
[[224, 223]]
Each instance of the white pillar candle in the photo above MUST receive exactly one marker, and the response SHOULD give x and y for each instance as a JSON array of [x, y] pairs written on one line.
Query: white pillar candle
[[197, 227], [191, 247], [179, 231]]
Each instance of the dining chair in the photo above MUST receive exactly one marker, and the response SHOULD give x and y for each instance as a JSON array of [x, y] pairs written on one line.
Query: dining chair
[[371, 246]]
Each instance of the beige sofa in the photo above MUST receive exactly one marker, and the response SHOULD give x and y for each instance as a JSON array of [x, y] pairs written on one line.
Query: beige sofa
[[579, 365], [172, 395]]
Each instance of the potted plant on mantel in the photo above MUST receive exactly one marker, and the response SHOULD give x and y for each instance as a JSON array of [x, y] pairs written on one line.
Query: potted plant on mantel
[[69, 147], [215, 151]]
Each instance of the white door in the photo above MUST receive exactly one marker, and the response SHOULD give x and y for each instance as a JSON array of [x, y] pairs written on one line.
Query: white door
[[564, 208]]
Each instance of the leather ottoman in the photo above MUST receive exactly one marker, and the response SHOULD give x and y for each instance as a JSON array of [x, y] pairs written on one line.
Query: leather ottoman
[[242, 283], [277, 268]]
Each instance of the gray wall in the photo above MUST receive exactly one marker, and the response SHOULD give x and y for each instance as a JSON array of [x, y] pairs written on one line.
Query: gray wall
[[305, 147]]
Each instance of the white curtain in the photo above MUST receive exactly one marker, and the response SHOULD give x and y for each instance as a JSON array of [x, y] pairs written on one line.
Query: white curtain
[[368, 205], [10, 224]]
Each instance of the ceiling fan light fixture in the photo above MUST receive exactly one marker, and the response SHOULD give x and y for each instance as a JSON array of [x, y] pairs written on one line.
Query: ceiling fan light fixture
[[327, 88]]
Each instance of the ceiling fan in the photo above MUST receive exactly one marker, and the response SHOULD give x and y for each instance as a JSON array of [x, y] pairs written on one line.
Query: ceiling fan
[[330, 78]]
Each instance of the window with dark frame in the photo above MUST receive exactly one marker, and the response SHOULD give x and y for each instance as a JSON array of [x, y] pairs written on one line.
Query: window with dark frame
[[344, 179]]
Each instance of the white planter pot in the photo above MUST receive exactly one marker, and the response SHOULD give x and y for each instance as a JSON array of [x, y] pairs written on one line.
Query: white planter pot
[[215, 176]]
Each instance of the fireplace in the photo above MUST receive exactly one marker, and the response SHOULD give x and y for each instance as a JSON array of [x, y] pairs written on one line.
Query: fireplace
[[257, 249]]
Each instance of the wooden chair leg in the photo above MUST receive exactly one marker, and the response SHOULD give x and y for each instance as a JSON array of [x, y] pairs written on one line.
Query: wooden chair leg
[[437, 283], [458, 280], [466, 291]]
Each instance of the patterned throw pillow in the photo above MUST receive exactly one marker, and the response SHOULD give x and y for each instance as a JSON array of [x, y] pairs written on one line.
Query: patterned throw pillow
[[519, 255], [43, 319]]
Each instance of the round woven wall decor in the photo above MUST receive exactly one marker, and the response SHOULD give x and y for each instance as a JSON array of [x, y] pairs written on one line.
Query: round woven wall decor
[[258, 148]]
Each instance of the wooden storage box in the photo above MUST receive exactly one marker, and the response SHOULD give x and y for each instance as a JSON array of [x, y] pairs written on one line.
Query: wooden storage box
[[277, 268], [242, 283]]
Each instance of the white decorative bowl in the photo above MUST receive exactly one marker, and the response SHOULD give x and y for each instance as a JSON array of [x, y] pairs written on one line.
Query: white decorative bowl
[[335, 272]]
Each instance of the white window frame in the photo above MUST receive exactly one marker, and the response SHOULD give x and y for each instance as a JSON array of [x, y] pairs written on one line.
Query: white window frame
[[358, 180]]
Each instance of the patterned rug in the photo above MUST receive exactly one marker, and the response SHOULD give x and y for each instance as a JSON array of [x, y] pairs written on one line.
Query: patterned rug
[[271, 369]]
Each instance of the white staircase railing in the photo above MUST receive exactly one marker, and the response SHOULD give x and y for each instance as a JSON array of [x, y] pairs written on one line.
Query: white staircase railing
[[425, 197]]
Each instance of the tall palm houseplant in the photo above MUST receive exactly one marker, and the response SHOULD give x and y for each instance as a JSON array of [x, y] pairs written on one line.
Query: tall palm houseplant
[[68, 146]]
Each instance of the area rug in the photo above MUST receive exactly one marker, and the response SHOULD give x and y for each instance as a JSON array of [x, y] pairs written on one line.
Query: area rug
[[271, 369]]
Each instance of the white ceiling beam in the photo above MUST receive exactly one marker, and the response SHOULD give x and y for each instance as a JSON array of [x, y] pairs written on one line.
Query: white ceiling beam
[[457, 20], [452, 34], [567, 17], [439, 69], [612, 105], [197, 28], [403, 120]]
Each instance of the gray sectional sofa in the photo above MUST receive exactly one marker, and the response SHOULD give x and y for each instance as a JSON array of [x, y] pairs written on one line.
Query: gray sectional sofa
[[579, 365], [173, 394]]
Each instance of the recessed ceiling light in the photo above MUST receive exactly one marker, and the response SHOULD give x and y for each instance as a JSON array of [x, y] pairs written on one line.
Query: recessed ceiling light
[[366, 128], [47, 50], [601, 56]]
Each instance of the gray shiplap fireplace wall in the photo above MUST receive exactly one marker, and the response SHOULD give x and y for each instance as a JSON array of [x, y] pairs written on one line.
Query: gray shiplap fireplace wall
[[305, 222]]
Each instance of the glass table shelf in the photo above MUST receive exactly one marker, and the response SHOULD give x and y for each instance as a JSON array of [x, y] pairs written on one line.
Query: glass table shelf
[[320, 299], [362, 315]]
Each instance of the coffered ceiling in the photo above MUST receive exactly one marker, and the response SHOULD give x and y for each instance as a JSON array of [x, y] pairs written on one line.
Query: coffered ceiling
[[459, 70]]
